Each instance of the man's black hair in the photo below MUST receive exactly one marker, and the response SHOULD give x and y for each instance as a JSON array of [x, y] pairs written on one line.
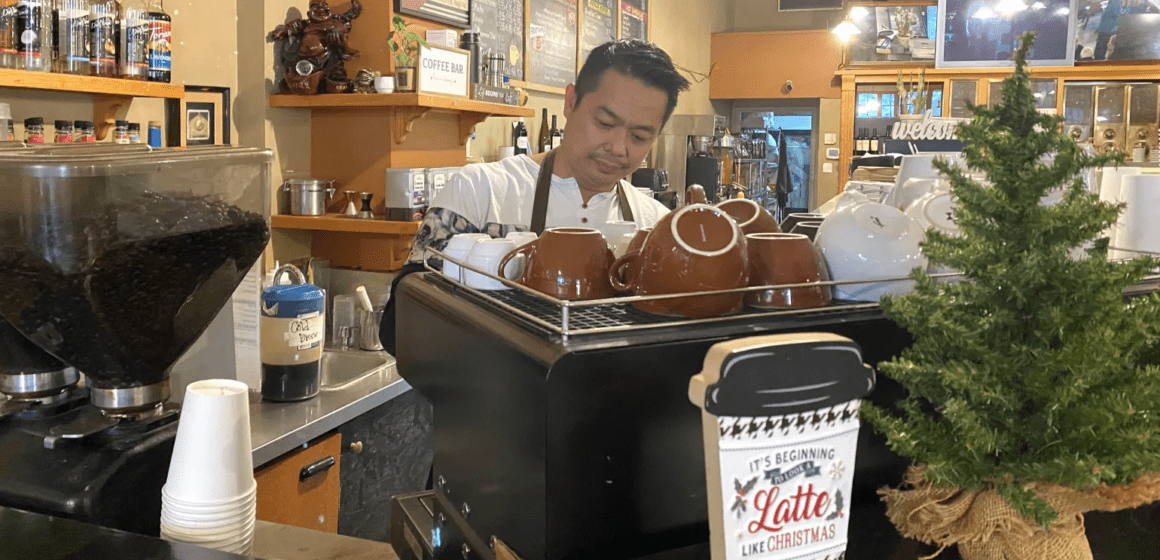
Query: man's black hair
[[636, 59]]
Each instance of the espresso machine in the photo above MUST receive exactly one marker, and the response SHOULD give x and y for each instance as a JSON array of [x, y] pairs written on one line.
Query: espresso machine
[[113, 263]]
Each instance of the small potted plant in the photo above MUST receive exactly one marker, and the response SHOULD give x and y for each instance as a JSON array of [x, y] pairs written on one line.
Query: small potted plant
[[405, 46]]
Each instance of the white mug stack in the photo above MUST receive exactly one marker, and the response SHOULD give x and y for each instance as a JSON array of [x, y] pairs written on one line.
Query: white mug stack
[[210, 497]]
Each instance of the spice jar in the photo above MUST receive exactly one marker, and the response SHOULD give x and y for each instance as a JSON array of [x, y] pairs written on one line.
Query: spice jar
[[134, 133], [64, 132], [84, 132], [121, 132], [155, 134], [34, 130]]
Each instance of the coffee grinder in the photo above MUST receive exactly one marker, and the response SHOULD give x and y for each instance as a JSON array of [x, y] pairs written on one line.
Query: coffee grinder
[[702, 167], [112, 266]]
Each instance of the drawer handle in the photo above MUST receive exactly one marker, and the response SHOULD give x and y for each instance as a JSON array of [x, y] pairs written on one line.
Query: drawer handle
[[320, 466]]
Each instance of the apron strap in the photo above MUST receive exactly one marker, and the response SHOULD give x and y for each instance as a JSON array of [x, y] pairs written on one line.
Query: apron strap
[[544, 187]]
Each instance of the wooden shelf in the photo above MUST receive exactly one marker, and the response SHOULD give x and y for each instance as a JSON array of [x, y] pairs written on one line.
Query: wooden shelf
[[337, 222], [385, 100], [88, 84]]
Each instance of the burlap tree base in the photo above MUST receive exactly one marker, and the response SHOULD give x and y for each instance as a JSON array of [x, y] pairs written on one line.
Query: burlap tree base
[[985, 527]]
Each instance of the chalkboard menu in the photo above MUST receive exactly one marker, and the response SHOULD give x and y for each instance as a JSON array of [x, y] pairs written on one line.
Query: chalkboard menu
[[634, 19], [551, 45], [500, 24], [598, 25]]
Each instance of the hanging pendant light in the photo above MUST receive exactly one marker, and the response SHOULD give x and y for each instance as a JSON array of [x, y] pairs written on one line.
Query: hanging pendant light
[[846, 30]]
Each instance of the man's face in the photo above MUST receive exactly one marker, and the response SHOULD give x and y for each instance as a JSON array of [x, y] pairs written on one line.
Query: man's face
[[611, 129]]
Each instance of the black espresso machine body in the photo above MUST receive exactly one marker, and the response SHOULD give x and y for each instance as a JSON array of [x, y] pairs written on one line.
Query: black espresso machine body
[[585, 446]]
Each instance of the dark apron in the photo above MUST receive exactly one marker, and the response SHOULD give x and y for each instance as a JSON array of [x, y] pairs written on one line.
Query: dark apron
[[544, 185]]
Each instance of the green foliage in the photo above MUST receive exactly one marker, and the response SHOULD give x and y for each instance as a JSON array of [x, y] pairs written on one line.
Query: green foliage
[[405, 44], [1033, 368]]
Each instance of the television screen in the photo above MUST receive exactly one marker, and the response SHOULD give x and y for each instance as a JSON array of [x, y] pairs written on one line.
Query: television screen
[[985, 33]]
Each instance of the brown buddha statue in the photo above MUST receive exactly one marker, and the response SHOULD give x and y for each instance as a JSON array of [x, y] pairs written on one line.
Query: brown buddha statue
[[316, 50]]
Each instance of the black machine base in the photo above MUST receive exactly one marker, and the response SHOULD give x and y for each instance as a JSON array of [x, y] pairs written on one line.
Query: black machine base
[[111, 477]]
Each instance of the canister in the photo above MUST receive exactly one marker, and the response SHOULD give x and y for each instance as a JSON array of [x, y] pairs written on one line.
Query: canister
[[406, 194], [308, 196], [293, 330]]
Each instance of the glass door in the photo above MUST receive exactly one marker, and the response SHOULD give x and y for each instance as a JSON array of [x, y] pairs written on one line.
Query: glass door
[[786, 160]]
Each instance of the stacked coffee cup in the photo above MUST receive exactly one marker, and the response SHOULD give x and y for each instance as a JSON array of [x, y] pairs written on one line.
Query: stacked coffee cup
[[210, 497]]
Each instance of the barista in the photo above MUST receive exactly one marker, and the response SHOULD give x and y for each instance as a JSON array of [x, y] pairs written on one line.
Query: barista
[[624, 94]]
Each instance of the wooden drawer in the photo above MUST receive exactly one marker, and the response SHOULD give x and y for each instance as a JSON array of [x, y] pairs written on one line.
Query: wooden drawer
[[312, 502]]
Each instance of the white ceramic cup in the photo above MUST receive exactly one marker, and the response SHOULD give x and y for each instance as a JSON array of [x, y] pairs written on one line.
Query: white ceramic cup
[[870, 241], [618, 234], [1140, 229], [935, 210], [385, 84], [457, 249], [515, 266], [1111, 183], [212, 458], [485, 255]]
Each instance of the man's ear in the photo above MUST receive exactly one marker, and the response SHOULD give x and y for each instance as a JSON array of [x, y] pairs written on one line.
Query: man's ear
[[569, 101]]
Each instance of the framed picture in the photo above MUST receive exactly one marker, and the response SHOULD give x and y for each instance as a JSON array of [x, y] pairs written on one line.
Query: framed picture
[[1117, 30], [456, 13], [803, 5], [201, 118], [442, 70], [893, 33], [985, 33]]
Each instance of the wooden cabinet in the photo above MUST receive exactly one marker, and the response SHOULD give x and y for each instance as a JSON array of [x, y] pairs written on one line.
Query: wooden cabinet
[[302, 488], [758, 65]]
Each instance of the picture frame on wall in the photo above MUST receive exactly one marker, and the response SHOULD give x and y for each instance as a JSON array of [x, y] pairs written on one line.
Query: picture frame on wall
[[456, 13], [807, 5], [200, 118], [1117, 30], [985, 33], [893, 33]]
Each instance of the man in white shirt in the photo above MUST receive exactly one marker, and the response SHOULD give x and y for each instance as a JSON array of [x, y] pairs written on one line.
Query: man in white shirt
[[624, 94]]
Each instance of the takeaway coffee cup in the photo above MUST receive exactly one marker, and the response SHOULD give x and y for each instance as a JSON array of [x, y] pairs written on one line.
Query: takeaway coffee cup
[[778, 259], [750, 216], [692, 249], [566, 263]]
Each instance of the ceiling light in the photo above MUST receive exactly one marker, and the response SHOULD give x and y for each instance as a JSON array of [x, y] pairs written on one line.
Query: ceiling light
[[846, 30]]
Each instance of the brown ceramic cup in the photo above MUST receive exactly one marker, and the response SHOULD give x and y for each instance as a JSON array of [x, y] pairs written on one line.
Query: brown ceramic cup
[[692, 249], [779, 259], [750, 216], [625, 272], [792, 220], [695, 194], [566, 263], [808, 229]]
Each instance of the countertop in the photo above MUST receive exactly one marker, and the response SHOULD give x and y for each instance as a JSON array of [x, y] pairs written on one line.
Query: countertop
[[277, 428]]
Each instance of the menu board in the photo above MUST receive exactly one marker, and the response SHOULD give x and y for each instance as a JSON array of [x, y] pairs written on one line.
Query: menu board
[[500, 24], [634, 19], [598, 25], [551, 46]]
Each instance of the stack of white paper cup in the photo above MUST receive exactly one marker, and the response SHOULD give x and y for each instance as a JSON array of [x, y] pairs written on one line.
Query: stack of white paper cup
[[210, 497]]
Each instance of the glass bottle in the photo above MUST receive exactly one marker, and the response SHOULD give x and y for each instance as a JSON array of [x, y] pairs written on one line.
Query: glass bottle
[[545, 133], [32, 35], [159, 46], [72, 36], [7, 39], [63, 132], [134, 34], [121, 132], [84, 132], [155, 134], [134, 133], [556, 134], [103, 38], [34, 130]]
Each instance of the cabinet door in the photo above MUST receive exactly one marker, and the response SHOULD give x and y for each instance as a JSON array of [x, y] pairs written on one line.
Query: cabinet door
[[302, 488]]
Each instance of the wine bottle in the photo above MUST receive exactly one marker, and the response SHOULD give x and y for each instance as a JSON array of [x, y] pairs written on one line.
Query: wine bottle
[[874, 142], [521, 137], [545, 133], [555, 134]]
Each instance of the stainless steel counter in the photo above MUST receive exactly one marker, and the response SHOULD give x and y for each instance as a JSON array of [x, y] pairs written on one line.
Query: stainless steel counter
[[277, 428]]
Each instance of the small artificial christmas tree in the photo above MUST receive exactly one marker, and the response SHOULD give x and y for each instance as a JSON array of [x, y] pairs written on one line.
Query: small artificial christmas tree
[[1032, 369]]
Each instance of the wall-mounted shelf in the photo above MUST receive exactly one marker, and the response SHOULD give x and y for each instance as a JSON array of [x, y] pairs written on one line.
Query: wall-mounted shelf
[[337, 222], [111, 96]]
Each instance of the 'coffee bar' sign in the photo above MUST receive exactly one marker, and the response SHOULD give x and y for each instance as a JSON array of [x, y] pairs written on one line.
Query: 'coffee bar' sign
[[442, 70], [925, 127]]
